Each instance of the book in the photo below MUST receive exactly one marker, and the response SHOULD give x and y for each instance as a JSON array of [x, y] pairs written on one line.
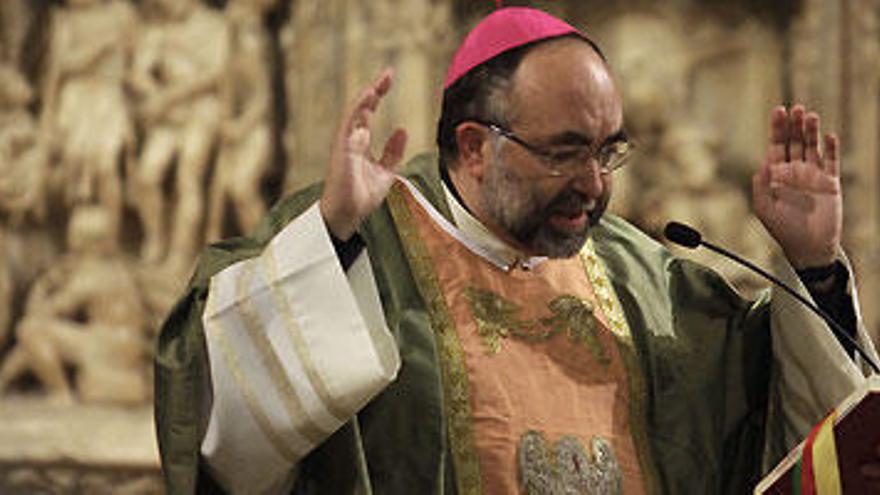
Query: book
[[856, 433]]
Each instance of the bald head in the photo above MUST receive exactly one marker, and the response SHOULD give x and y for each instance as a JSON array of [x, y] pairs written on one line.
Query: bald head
[[564, 85]]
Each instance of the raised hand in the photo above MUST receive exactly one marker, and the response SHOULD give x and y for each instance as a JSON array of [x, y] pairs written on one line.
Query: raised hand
[[356, 183], [796, 190]]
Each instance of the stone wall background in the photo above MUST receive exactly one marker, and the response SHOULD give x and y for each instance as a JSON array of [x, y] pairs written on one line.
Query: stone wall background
[[699, 78]]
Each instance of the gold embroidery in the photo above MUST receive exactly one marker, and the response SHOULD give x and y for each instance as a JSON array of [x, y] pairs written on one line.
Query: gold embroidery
[[567, 467], [456, 394], [611, 308], [497, 319]]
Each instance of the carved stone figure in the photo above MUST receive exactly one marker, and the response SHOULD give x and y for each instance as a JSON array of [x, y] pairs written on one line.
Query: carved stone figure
[[84, 110], [179, 65], [245, 136], [22, 157], [85, 312]]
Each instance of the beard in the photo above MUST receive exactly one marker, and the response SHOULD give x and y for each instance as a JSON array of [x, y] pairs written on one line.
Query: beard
[[519, 208]]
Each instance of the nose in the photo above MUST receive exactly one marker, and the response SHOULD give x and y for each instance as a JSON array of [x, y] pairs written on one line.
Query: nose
[[589, 180]]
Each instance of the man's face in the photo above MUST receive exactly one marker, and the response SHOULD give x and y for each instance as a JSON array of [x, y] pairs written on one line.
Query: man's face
[[562, 96]]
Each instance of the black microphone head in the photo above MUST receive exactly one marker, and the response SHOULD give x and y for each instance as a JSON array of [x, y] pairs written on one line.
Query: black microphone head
[[682, 235]]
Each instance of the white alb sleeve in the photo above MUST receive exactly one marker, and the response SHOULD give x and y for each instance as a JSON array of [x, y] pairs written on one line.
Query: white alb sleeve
[[814, 370], [296, 347]]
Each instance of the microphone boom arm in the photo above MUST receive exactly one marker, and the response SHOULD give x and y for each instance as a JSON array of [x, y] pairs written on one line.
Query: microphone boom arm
[[833, 325]]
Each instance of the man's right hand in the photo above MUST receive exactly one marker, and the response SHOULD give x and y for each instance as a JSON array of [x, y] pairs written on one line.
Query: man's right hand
[[356, 183]]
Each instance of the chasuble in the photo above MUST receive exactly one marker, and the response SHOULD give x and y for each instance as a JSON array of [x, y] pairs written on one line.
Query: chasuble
[[436, 363]]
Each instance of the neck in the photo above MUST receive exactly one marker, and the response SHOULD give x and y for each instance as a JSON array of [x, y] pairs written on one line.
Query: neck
[[466, 190]]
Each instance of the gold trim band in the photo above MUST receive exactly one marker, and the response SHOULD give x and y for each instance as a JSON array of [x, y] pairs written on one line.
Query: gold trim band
[[456, 393], [300, 419], [611, 307], [281, 446], [340, 410]]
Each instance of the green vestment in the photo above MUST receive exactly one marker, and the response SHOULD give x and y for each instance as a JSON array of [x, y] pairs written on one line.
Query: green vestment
[[705, 353]]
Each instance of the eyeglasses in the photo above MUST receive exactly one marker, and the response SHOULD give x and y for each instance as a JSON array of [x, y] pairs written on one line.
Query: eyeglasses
[[569, 160]]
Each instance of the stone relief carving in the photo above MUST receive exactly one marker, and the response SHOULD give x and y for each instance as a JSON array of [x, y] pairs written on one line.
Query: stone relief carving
[[179, 64], [415, 53], [677, 174], [85, 312], [182, 94], [312, 38], [23, 479], [15, 19], [158, 113], [106, 61], [398, 19], [85, 118], [23, 167], [861, 171], [245, 134], [416, 38]]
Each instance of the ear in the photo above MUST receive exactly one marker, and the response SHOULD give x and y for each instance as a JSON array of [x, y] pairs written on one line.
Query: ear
[[472, 140]]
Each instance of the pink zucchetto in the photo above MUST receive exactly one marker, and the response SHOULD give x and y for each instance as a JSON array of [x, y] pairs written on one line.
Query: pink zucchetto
[[502, 30]]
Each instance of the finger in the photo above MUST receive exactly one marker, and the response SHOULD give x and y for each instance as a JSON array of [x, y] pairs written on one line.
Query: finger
[[368, 100], [383, 81], [796, 134], [358, 114], [812, 153], [376, 90], [776, 148], [831, 163], [392, 155]]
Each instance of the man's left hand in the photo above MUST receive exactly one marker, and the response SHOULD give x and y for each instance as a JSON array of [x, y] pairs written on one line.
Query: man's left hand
[[796, 190]]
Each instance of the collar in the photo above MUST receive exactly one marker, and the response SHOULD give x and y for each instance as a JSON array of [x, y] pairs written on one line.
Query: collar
[[502, 254], [473, 234], [507, 256]]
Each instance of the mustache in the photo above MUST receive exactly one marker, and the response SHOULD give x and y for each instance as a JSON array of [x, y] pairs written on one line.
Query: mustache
[[567, 203], [571, 203]]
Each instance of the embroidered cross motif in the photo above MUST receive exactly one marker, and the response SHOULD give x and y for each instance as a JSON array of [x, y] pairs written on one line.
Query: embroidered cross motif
[[566, 467], [497, 319]]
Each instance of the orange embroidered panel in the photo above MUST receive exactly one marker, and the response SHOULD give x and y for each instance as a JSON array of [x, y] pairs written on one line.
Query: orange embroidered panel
[[538, 356]]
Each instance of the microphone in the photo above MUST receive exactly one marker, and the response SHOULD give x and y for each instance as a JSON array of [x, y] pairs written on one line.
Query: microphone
[[690, 238], [682, 235]]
